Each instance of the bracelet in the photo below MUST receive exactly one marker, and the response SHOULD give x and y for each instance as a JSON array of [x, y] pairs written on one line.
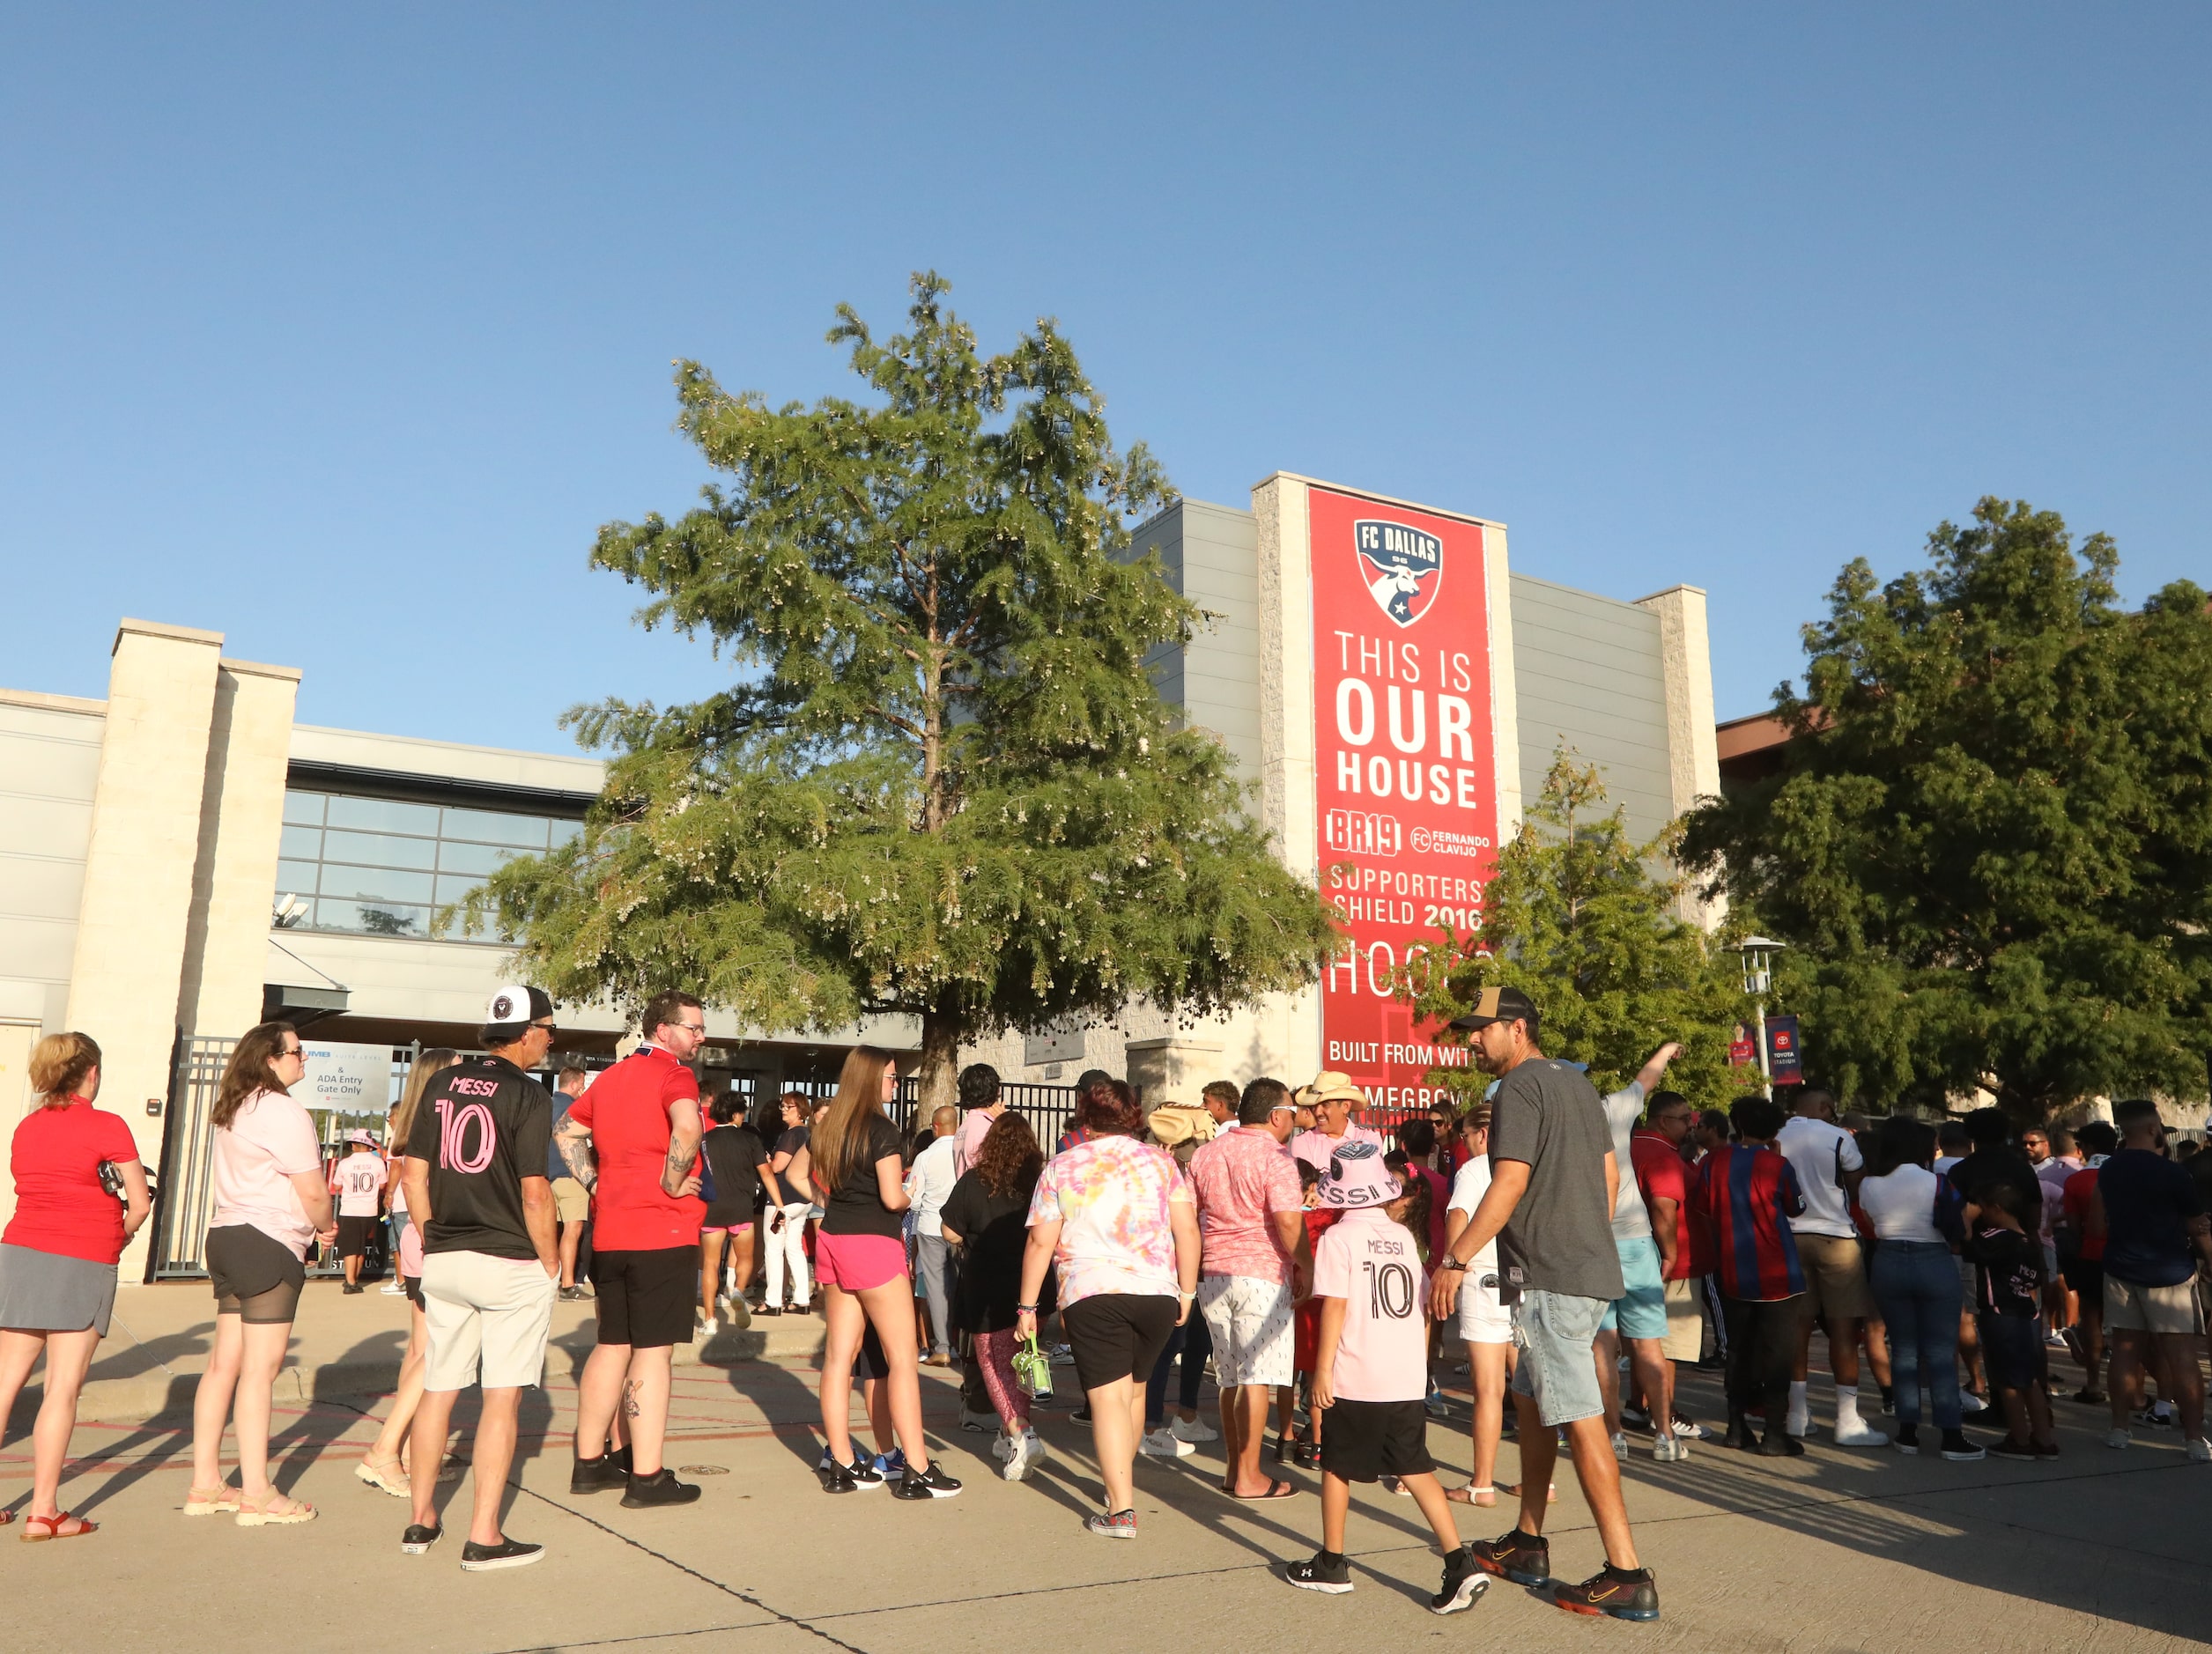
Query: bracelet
[[1024, 1309]]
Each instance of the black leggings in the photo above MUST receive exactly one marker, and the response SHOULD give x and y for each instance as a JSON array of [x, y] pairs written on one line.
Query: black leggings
[[1762, 1354]]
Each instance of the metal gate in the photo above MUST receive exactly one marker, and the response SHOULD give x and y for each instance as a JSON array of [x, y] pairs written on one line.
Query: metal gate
[[188, 1162]]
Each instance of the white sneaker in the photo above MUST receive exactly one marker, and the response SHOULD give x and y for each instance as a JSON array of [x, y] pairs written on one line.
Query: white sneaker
[[1620, 1443], [1669, 1449], [1164, 1444], [1001, 1447], [1970, 1404], [1798, 1424], [2117, 1437], [1194, 1431], [394, 1290], [1859, 1433], [1689, 1429], [709, 1327], [1023, 1456], [2200, 1451]]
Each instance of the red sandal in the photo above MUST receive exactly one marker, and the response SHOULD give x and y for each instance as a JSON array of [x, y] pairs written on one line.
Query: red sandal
[[58, 1526]]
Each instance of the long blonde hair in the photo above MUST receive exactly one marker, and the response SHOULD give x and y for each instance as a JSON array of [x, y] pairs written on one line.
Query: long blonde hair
[[839, 1137], [427, 1066]]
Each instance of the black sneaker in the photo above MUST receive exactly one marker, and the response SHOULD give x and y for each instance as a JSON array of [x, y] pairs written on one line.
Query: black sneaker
[[352, 1287], [932, 1483], [2005, 1447], [418, 1539], [1621, 1596], [1520, 1557], [1634, 1418], [661, 1488], [1463, 1584], [835, 1477], [1740, 1435], [864, 1471], [1082, 1414], [482, 1559], [1907, 1440], [769, 1309], [596, 1475], [1325, 1571], [1780, 1444], [1959, 1451], [571, 1295]]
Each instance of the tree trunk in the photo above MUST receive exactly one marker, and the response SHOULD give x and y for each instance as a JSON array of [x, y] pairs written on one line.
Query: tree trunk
[[939, 1073]]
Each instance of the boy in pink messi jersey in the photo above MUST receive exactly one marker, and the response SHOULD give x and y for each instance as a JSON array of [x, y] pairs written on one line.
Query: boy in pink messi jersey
[[1371, 1375]]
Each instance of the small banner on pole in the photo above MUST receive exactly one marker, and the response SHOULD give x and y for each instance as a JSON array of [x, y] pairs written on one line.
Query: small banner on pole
[[1742, 1053], [1781, 1050]]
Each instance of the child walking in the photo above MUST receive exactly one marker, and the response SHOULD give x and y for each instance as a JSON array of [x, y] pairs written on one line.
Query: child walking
[[1371, 1373]]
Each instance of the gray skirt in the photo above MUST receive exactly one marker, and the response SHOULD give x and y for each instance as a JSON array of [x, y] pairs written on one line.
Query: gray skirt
[[47, 1292]]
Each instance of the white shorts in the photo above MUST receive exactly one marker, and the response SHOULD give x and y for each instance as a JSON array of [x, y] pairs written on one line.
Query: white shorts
[[488, 1312], [1255, 1335], [1482, 1319]]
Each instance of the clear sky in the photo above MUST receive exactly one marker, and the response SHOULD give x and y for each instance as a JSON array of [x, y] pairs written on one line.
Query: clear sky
[[340, 330]]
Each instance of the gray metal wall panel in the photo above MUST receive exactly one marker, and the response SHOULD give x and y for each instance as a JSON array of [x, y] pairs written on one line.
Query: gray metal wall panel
[[1210, 553], [1587, 669]]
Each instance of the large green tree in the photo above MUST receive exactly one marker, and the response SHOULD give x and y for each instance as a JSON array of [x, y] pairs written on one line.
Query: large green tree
[[1582, 919], [1990, 842], [941, 781]]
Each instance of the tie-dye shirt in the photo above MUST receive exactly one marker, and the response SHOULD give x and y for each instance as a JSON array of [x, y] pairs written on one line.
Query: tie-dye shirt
[[1112, 1196]]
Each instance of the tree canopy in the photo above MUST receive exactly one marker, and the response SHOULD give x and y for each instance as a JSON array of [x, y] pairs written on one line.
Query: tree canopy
[[942, 781], [1577, 918], [1989, 842]]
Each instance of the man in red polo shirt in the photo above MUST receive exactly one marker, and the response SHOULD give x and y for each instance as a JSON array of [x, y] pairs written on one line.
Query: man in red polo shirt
[[1684, 1254], [632, 1137]]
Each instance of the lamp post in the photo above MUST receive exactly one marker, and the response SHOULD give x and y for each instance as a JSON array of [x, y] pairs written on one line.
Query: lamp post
[[1758, 980]]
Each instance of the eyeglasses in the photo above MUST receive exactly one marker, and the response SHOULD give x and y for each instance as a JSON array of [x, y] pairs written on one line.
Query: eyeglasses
[[293, 1051], [693, 1027], [549, 1028]]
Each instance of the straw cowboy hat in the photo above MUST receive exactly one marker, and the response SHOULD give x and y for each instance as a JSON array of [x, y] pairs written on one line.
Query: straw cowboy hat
[[1174, 1123], [1329, 1086]]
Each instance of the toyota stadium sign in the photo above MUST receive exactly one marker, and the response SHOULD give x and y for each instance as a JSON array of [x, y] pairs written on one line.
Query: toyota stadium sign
[[1405, 767]]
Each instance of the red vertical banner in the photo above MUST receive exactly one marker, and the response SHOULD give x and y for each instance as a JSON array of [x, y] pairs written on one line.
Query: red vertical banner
[[1405, 768]]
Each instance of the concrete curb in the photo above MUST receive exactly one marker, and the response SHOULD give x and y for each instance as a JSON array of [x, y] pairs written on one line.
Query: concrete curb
[[150, 1395]]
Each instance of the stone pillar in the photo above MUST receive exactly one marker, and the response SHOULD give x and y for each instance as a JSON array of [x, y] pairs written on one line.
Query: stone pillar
[[1174, 1069], [242, 819], [1693, 754], [134, 915], [1504, 695], [1280, 506], [20, 1031]]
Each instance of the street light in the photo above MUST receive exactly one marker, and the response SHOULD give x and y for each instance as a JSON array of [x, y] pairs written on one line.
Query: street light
[[1758, 980]]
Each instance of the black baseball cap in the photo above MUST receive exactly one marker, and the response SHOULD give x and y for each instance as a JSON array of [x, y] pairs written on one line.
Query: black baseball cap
[[1498, 1004]]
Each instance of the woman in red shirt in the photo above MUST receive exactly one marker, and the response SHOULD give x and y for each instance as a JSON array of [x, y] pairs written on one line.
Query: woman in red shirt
[[57, 1257]]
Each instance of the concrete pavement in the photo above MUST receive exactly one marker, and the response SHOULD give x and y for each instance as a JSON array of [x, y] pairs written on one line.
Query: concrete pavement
[[1838, 1550]]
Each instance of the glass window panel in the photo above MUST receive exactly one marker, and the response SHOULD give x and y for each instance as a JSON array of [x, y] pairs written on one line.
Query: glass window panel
[[295, 877], [379, 882], [452, 889], [376, 918], [477, 859], [384, 849], [384, 815], [301, 844], [305, 809], [497, 827], [563, 830]]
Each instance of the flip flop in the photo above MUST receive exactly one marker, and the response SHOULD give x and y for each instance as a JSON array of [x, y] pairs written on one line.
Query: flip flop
[[1276, 1491]]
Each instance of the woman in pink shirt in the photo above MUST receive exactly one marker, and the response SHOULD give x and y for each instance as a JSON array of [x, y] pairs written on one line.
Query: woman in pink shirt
[[271, 1202]]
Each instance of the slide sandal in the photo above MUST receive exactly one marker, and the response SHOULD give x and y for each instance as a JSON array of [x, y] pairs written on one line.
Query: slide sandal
[[1276, 1491]]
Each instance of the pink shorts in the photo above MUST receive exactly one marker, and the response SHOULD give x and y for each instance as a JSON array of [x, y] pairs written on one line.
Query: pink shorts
[[731, 1229], [857, 1262]]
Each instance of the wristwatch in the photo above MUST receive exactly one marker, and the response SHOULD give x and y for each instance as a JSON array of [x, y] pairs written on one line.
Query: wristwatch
[[1451, 1263]]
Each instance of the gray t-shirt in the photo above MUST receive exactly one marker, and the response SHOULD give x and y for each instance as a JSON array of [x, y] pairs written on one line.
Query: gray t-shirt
[[1631, 1219], [1560, 1236]]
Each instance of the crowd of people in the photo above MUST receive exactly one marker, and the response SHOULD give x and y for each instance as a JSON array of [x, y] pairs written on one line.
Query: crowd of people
[[1575, 1250]]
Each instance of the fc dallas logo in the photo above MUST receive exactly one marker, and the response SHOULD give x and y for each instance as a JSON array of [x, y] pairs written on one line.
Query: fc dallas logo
[[1403, 567]]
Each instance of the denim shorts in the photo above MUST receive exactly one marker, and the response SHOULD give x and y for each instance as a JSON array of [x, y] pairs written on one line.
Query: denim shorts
[[1641, 1311], [1555, 1330]]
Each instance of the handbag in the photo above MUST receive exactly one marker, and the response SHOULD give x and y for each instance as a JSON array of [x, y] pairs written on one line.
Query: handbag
[[1032, 1371]]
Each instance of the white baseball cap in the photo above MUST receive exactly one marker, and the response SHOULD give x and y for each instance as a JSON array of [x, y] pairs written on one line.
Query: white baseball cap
[[513, 1004]]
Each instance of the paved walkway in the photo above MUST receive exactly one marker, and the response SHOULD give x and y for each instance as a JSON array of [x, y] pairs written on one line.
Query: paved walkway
[[2099, 1551]]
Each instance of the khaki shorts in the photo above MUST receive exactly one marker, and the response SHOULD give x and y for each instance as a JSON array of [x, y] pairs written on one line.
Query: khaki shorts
[[2130, 1307], [485, 1314], [572, 1201], [1835, 1277], [1685, 1325]]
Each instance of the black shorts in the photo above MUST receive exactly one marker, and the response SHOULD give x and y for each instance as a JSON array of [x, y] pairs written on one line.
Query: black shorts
[[873, 1362], [354, 1236], [1118, 1335], [254, 1276], [2011, 1349], [412, 1286], [2086, 1277], [646, 1299], [1362, 1440]]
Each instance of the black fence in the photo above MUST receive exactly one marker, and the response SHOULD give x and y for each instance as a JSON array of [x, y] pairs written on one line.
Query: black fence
[[1049, 1108]]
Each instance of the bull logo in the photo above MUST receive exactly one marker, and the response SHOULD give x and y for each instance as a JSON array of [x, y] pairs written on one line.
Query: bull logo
[[1403, 568]]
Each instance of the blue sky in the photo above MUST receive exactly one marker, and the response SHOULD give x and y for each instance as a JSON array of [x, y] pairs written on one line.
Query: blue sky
[[341, 329]]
